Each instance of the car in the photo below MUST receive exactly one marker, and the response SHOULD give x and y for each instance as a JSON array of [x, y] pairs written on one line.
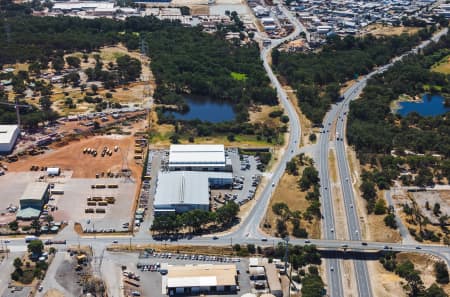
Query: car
[[307, 241], [386, 247], [332, 229], [351, 205], [40, 288], [115, 241], [273, 184], [345, 245], [332, 268], [6, 241], [215, 237], [264, 239], [363, 243], [418, 248]]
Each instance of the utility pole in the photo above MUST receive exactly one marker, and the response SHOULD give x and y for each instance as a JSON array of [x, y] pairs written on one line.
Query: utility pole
[[286, 254]]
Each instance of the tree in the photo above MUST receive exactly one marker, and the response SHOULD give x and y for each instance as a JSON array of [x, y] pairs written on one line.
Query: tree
[[291, 167], [380, 207], [73, 61], [35, 224], [58, 63], [251, 248], [17, 263], [435, 291], [36, 247], [14, 225], [312, 286], [129, 68], [442, 277], [389, 220], [310, 176], [94, 88], [45, 103], [437, 209], [227, 213]]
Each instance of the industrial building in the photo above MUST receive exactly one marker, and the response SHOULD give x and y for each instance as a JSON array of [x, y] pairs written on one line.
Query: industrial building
[[200, 279], [265, 276], [33, 199], [182, 191], [198, 157], [8, 138]]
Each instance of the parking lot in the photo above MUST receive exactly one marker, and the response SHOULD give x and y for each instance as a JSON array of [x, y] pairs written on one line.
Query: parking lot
[[147, 269]]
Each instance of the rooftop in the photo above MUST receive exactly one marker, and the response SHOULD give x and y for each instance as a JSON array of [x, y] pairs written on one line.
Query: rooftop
[[28, 213], [201, 275], [196, 154], [185, 187], [35, 191], [7, 133]]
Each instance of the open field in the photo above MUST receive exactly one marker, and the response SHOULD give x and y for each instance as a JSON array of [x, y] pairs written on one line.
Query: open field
[[385, 283], [287, 191], [383, 30], [443, 66], [71, 157]]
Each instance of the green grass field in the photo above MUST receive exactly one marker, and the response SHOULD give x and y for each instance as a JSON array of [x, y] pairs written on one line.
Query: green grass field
[[238, 76]]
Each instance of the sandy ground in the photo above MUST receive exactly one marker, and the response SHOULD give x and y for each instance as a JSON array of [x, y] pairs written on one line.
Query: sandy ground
[[384, 283], [442, 66], [71, 157], [287, 191], [380, 30]]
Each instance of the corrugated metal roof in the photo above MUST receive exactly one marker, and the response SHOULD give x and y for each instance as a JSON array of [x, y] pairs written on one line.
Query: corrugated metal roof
[[196, 154], [201, 275], [7, 133], [35, 191], [185, 187]]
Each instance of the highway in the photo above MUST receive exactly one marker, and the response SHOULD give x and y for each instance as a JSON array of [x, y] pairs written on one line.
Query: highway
[[338, 115]]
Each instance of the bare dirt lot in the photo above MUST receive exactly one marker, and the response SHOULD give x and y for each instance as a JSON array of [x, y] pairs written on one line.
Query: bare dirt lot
[[71, 157], [382, 30], [385, 283]]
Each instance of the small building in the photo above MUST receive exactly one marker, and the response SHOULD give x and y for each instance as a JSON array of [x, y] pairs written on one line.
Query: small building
[[53, 171], [200, 279], [8, 138], [198, 157], [33, 199]]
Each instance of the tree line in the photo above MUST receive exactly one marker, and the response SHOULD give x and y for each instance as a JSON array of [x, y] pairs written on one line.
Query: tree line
[[318, 77]]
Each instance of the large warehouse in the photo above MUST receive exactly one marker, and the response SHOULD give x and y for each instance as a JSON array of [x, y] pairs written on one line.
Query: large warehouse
[[33, 199], [200, 279], [198, 157], [181, 191], [8, 138]]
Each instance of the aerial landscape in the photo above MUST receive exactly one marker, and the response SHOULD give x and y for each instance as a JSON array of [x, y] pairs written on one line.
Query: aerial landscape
[[255, 148]]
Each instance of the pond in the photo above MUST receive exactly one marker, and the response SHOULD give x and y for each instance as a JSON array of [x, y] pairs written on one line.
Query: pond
[[431, 105], [205, 109]]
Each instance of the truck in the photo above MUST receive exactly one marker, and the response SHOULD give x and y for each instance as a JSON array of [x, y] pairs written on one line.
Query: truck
[[49, 241], [30, 238]]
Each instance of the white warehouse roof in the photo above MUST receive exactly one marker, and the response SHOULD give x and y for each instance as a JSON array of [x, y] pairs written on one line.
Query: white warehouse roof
[[202, 275], [35, 191], [83, 5], [7, 133], [197, 154], [185, 187]]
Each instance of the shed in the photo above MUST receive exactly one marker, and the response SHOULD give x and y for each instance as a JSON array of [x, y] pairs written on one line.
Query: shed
[[53, 171]]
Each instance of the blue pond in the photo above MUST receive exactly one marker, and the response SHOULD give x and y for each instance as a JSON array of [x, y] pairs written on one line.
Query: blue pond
[[205, 109], [431, 105]]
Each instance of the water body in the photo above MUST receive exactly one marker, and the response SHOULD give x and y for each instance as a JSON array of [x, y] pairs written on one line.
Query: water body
[[431, 105], [205, 109]]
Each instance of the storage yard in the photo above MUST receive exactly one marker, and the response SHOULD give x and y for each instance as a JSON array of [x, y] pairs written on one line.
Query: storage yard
[[71, 157]]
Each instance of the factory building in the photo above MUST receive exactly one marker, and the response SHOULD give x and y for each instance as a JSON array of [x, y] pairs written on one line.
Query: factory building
[[198, 157], [8, 138], [33, 199], [200, 279], [182, 191]]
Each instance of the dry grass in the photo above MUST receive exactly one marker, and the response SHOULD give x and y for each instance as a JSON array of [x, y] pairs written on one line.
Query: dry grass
[[383, 30], [378, 231], [385, 283], [304, 122], [53, 293], [425, 264], [199, 10], [443, 66], [288, 192]]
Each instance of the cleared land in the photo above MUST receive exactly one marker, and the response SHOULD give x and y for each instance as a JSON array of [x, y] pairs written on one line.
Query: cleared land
[[382, 30], [71, 157], [287, 191]]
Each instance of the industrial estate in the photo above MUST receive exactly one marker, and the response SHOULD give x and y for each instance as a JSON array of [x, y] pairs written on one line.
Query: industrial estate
[[251, 148]]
